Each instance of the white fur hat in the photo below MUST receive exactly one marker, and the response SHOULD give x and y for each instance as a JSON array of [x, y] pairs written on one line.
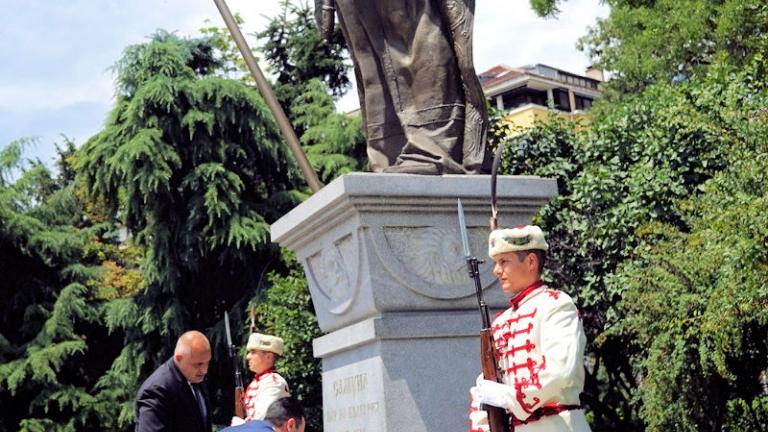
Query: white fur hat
[[524, 237], [265, 343]]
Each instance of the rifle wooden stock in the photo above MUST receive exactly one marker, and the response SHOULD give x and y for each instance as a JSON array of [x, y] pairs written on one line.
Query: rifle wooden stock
[[498, 419], [239, 407]]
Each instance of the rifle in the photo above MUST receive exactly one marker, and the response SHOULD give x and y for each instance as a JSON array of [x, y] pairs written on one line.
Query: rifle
[[498, 419], [232, 350]]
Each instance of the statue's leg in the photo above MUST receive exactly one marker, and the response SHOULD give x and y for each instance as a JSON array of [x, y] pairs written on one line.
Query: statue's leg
[[362, 30], [459, 14], [425, 85]]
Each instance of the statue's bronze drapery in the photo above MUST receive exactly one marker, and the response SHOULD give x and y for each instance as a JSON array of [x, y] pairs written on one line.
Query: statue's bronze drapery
[[422, 103]]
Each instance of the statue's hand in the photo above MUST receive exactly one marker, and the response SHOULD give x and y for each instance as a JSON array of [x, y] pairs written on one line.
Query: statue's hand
[[325, 18]]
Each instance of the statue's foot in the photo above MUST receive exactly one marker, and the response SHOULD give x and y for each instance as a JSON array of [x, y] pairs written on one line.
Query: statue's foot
[[413, 167]]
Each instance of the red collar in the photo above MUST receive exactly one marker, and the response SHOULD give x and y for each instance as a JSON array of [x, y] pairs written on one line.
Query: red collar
[[515, 301], [262, 373]]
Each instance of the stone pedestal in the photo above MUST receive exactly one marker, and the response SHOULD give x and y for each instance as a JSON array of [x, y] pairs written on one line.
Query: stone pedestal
[[383, 257]]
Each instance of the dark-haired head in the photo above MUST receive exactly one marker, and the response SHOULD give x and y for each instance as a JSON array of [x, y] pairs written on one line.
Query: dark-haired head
[[286, 414]]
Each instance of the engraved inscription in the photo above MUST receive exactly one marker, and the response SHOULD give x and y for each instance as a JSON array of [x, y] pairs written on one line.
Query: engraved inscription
[[352, 398], [351, 385]]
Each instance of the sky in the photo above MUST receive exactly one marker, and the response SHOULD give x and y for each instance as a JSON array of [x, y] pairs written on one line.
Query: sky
[[56, 55]]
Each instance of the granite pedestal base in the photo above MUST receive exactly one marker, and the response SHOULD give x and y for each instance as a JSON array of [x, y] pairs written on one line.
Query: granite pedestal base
[[384, 263]]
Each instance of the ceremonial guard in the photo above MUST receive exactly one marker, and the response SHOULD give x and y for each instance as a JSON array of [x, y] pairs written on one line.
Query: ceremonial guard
[[539, 343], [267, 385]]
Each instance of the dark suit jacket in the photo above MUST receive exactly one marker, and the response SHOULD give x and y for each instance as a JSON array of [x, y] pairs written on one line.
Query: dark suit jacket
[[165, 402], [251, 426]]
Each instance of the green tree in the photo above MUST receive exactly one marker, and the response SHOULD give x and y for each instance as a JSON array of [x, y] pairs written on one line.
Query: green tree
[[694, 304], [51, 298], [334, 142], [643, 42], [232, 62], [296, 54], [309, 74], [193, 164], [666, 40], [633, 165]]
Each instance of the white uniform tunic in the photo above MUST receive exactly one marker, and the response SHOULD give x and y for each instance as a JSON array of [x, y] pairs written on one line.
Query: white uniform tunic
[[264, 389], [539, 345]]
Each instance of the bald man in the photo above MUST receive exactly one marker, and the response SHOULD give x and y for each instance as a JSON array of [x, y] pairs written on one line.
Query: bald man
[[175, 397]]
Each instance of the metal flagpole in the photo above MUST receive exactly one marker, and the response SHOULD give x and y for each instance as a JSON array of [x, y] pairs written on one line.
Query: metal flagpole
[[269, 97]]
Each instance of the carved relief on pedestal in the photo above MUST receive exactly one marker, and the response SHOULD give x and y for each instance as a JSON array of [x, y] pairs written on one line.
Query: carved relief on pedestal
[[432, 253], [334, 271], [429, 260]]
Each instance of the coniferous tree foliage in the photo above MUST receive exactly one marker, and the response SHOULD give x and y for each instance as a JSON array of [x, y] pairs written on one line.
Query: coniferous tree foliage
[[334, 142], [297, 54], [194, 166], [60, 266], [309, 75]]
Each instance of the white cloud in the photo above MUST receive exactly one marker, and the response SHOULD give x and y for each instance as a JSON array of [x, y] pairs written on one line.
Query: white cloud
[[63, 50], [53, 95], [509, 32]]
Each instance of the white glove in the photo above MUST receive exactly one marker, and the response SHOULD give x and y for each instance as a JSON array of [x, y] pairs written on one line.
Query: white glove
[[237, 421], [493, 393]]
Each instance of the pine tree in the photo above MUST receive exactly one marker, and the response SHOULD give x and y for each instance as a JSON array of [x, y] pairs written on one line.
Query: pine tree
[[193, 164], [297, 54], [53, 346], [334, 142]]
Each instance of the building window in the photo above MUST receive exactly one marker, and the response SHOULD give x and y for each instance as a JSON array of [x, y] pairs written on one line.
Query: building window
[[522, 96], [583, 103], [561, 100]]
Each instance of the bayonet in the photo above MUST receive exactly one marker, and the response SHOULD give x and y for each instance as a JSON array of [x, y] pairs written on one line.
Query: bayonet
[[463, 230], [228, 331]]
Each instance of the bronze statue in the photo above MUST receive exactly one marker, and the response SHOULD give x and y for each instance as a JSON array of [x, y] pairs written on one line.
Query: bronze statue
[[422, 104]]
